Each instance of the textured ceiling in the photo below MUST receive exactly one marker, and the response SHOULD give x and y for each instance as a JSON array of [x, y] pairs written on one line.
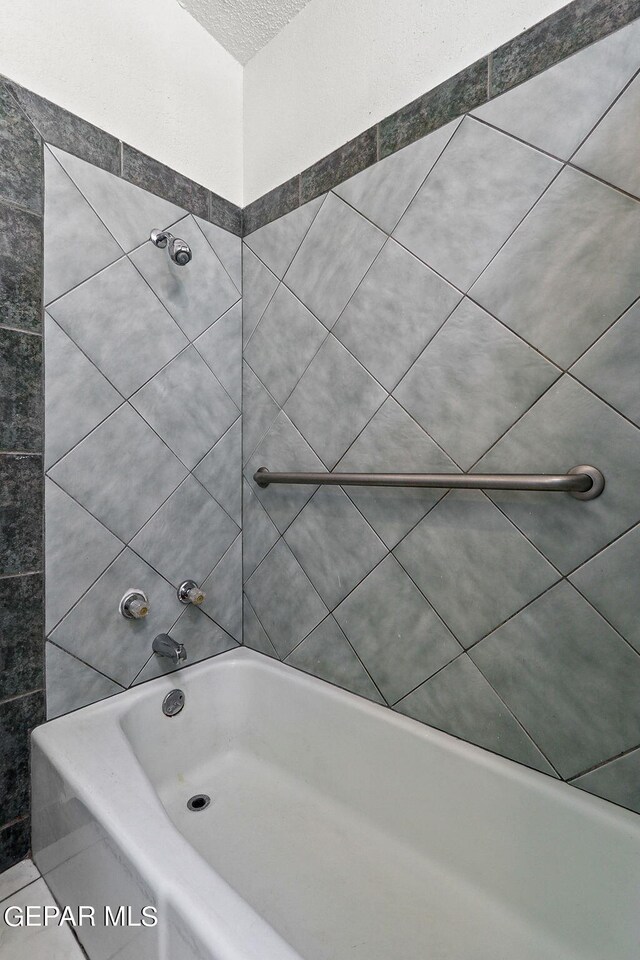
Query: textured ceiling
[[243, 26]]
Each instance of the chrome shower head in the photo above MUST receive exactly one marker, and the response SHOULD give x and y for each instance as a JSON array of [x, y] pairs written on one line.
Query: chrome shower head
[[179, 250]]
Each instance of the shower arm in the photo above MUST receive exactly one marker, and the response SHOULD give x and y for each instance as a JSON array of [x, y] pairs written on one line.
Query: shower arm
[[583, 482]]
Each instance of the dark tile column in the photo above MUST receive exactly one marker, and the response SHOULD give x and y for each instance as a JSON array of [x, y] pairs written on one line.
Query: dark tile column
[[21, 436]]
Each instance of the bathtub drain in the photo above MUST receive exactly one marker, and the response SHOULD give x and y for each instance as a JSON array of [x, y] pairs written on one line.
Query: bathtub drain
[[200, 802]]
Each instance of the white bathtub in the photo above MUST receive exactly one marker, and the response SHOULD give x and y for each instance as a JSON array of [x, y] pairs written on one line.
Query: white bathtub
[[337, 829]]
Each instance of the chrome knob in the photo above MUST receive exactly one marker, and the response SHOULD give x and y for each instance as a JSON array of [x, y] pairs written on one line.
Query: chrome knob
[[134, 605], [190, 592]]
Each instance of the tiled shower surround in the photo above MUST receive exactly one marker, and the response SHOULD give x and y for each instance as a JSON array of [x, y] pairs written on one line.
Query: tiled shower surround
[[142, 432], [468, 304]]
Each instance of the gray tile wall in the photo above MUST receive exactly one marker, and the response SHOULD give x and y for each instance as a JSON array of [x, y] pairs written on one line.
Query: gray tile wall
[[142, 431], [469, 303]]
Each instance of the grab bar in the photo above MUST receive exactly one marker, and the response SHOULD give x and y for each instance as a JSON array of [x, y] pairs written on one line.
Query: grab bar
[[583, 482]]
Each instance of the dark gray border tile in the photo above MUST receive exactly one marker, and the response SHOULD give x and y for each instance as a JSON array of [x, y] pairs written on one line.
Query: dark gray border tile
[[15, 842], [21, 485], [272, 205], [21, 265], [21, 406], [156, 177], [556, 37], [225, 214], [20, 155], [457, 95], [21, 635], [67, 131], [345, 162], [18, 717]]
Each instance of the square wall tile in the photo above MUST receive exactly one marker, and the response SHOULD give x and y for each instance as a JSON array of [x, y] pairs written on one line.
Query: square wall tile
[[395, 632], [71, 684], [187, 536], [258, 533], [569, 270], [334, 543], [570, 679], [479, 190], [255, 635], [227, 247], [333, 401], [223, 587], [334, 256], [120, 325], [128, 457], [259, 409], [220, 472], [196, 294], [472, 382], [472, 564], [326, 653], [284, 599], [459, 701], [566, 427], [277, 243], [186, 406], [393, 314], [618, 781], [221, 349], [392, 442], [258, 286]]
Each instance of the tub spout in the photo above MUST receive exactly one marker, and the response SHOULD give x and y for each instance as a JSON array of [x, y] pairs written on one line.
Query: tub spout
[[166, 646]]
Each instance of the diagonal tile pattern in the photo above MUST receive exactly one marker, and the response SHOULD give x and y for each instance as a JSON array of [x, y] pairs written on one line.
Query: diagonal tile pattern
[[123, 511], [546, 256]]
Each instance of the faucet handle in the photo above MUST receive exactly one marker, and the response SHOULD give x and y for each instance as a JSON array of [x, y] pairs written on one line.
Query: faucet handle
[[134, 605], [190, 592]]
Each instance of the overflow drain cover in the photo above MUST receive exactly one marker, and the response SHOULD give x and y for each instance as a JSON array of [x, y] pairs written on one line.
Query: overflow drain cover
[[200, 802]]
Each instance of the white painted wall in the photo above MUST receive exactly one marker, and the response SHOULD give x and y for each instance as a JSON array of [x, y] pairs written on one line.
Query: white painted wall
[[342, 65], [144, 70]]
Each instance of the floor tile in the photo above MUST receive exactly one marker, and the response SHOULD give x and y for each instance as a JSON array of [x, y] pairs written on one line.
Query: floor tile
[[283, 449], [259, 409], [227, 247], [258, 285], [221, 348], [479, 190], [608, 152], [543, 664], [167, 404], [121, 647], [220, 471], [334, 256], [383, 191], [224, 591], [618, 781], [459, 701], [17, 877], [562, 298], [187, 536], [71, 225], [77, 550], [611, 365], [394, 631], [121, 326], [334, 543], [277, 242], [77, 396], [283, 344], [284, 599], [71, 684], [137, 472], [609, 581], [326, 653], [472, 382], [556, 109], [196, 294], [394, 443], [472, 565], [566, 427], [333, 401], [38, 943], [129, 212], [258, 534], [393, 314]]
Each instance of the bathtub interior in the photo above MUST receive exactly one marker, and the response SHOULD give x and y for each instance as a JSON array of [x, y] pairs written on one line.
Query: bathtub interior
[[338, 821]]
